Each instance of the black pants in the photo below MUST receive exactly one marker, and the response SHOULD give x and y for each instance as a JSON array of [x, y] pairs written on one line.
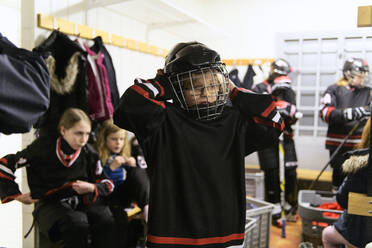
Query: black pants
[[135, 188], [337, 175], [269, 163], [61, 222]]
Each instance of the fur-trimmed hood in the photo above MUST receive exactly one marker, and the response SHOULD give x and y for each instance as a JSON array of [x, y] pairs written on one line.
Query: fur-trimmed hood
[[63, 85], [355, 163]]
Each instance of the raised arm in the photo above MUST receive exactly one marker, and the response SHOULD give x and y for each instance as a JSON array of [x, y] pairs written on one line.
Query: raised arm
[[142, 106]]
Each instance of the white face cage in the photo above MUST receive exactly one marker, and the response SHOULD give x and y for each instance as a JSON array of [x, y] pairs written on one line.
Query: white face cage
[[202, 92], [356, 76]]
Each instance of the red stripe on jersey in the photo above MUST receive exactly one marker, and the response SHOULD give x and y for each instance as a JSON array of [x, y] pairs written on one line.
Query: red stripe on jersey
[[3, 160], [330, 109], [161, 88], [269, 109], [234, 93], [269, 123], [49, 192], [6, 177], [194, 241], [332, 143], [341, 136], [10, 198], [145, 94]]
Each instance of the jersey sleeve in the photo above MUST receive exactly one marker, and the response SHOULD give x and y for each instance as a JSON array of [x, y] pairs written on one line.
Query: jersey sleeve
[[264, 122], [261, 107], [328, 111], [141, 109], [103, 186], [9, 189]]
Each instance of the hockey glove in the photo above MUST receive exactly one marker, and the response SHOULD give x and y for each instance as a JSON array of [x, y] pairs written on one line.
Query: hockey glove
[[357, 113], [164, 82], [285, 109]]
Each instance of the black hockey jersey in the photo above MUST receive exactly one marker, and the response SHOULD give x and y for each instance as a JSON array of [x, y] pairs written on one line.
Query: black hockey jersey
[[50, 174], [196, 169], [335, 99]]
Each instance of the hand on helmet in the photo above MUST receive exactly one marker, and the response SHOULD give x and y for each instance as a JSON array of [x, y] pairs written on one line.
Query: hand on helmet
[[164, 82], [357, 113]]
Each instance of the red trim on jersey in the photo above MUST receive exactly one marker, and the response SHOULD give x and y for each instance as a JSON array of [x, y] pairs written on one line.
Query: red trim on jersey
[[333, 143], [194, 241], [341, 136], [6, 177], [10, 198], [62, 157], [145, 94], [4, 160], [233, 93], [269, 109], [269, 123], [329, 110], [161, 88], [85, 197], [49, 192]]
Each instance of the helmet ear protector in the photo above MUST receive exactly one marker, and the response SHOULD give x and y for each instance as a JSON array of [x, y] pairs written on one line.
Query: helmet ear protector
[[194, 70]]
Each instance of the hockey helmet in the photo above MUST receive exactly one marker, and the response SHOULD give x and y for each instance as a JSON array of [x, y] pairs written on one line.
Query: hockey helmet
[[198, 78], [356, 71], [281, 67]]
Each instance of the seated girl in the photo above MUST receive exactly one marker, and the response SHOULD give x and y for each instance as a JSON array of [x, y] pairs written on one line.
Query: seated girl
[[131, 182], [66, 183]]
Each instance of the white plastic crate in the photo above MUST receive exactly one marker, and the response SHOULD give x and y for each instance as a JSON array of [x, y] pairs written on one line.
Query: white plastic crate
[[254, 183], [261, 211], [250, 226]]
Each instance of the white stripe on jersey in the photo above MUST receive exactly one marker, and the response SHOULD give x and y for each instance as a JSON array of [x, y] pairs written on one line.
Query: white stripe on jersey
[[108, 181], [276, 118], [347, 141], [6, 169], [99, 168], [149, 86]]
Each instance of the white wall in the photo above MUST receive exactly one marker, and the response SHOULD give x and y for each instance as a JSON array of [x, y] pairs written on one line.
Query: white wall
[[10, 213]]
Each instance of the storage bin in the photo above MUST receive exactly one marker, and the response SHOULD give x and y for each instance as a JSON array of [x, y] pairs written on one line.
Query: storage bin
[[261, 211], [254, 183], [312, 218]]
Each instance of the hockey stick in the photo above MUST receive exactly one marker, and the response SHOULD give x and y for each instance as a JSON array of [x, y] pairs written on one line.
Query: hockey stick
[[335, 152], [282, 188]]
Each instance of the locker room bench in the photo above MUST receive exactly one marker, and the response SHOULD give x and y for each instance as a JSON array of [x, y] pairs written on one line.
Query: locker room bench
[[306, 176]]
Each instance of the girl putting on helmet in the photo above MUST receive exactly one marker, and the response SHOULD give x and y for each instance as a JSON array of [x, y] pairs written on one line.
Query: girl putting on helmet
[[194, 145]]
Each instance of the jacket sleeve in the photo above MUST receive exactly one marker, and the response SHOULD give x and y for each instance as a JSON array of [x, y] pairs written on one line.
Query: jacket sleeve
[[9, 189], [264, 120], [141, 109], [328, 111], [102, 185]]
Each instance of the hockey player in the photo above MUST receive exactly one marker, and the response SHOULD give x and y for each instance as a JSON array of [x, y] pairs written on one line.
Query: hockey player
[[343, 105], [195, 147], [66, 182], [279, 85]]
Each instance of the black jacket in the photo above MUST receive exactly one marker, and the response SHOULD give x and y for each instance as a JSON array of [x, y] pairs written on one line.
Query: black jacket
[[353, 227], [335, 99], [24, 84], [66, 62]]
